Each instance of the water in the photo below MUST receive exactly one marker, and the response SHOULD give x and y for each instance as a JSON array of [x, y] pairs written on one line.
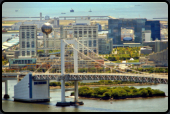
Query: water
[[5, 36], [159, 104], [147, 10]]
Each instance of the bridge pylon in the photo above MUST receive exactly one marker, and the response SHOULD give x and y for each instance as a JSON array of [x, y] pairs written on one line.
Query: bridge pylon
[[75, 44]]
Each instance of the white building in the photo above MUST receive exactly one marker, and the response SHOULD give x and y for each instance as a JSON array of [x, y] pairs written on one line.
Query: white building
[[29, 90], [28, 40], [146, 35], [86, 34]]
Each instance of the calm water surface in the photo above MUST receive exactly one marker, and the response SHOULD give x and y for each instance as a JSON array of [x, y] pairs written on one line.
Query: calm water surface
[[159, 104]]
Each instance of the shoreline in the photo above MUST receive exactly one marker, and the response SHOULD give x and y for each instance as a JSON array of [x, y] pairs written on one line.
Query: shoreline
[[91, 98], [136, 84]]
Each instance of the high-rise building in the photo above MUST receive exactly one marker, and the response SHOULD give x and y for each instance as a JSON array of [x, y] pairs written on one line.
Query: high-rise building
[[28, 40], [154, 26], [56, 22], [86, 34], [115, 26]]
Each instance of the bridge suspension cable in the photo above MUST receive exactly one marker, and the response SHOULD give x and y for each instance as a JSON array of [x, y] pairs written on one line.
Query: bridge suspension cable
[[104, 58], [91, 58], [40, 65]]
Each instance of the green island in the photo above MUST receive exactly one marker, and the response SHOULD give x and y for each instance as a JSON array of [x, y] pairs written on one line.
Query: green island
[[117, 92], [100, 82]]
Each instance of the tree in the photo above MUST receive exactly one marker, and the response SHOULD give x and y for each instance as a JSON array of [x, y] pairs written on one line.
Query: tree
[[117, 58]]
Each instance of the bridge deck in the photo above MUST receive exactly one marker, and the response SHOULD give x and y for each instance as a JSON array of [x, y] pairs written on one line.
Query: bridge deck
[[93, 76]]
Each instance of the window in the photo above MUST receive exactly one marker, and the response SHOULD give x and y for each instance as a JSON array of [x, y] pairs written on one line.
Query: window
[[22, 60], [28, 53], [32, 53], [23, 44], [28, 44], [36, 83], [94, 43], [32, 44], [90, 44], [28, 34], [23, 53], [32, 35], [25, 61], [85, 43], [23, 35]]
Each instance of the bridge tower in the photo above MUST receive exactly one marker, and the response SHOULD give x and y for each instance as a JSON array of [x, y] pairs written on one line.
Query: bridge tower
[[6, 96], [62, 48]]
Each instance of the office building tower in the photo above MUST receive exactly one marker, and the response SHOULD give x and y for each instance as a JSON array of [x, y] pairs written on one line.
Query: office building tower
[[86, 34], [28, 40], [154, 26], [56, 22], [115, 26]]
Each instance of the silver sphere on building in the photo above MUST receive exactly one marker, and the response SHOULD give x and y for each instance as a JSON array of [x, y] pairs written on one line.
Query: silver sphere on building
[[46, 28]]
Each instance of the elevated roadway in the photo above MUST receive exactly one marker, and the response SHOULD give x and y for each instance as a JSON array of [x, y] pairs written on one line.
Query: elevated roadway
[[153, 78]]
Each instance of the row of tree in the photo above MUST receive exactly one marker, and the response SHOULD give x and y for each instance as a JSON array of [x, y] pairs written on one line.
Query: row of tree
[[118, 92], [153, 70], [101, 82]]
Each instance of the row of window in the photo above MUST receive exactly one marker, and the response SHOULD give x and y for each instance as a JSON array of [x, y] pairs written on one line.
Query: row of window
[[22, 62], [28, 53], [28, 44], [36, 83]]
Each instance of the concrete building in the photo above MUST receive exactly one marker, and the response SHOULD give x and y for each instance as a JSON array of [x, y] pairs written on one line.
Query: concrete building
[[56, 22], [12, 54], [146, 50], [146, 36], [28, 40], [105, 45], [160, 45], [154, 26], [115, 26], [160, 58], [157, 45], [137, 25], [87, 35], [99, 27], [21, 62], [47, 17], [28, 90]]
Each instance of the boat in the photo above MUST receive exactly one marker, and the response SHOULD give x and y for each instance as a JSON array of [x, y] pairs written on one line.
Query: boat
[[63, 13], [16, 10], [71, 10], [90, 10]]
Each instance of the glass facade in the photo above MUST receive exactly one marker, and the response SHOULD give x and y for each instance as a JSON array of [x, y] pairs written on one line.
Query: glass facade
[[154, 26], [139, 25]]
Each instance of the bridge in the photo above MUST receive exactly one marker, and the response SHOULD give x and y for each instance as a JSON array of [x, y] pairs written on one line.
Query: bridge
[[36, 77], [147, 78]]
